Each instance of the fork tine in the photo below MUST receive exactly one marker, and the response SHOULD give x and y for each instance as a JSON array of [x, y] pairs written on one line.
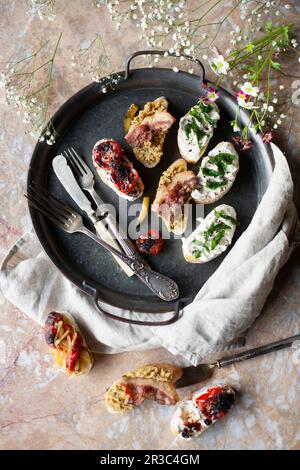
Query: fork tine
[[76, 163], [73, 164], [51, 216], [48, 204], [40, 191], [80, 160]]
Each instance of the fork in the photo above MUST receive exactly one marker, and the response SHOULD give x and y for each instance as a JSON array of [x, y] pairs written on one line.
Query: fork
[[70, 221], [86, 180]]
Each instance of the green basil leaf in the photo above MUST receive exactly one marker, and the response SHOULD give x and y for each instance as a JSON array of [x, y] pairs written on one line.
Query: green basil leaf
[[197, 254], [226, 157], [222, 214], [209, 172], [215, 228], [216, 240], [205, 245], [214, 184]]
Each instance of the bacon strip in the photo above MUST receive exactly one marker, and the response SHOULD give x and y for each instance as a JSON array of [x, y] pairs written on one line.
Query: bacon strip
[[151, 125]]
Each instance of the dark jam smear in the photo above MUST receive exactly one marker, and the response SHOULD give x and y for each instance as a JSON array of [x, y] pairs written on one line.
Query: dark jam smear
[[109, 155], [216, 403], [190, 428]]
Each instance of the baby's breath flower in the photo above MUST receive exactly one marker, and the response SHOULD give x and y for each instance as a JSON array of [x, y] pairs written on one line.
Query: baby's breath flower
[[43, 9], [28, 83], [93, 59]]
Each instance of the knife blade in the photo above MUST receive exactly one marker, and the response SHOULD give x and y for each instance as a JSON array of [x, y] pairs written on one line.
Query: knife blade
[[192, 375], [68, 180]]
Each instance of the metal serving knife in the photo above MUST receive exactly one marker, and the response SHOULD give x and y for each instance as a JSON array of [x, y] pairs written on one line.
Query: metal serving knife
[[192, 375], [67, 179]]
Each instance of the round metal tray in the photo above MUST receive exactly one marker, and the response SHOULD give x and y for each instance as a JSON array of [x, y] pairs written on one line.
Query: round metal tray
[[90, 115]]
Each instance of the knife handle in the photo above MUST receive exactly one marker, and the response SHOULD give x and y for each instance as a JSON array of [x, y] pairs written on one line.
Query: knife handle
[[161, 285], [250, 353], [108, 238]]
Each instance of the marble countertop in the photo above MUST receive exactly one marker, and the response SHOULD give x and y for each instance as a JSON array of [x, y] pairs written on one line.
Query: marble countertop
[[35, 413]]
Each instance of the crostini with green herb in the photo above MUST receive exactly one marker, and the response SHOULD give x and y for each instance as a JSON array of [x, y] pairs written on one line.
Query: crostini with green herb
[[212, 236], [217, 173], [196, 129]]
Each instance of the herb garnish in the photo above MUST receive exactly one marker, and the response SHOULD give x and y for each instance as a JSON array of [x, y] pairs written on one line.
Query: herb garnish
[[193, 127], [200, 115], [215, 184], [222, 214], [221, 160], [215, 228], [220, 229], [209, 172], [216, 240]]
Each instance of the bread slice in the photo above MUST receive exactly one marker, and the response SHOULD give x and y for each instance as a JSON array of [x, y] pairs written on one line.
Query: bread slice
[[202, 245], [56, 327], [148, 131], [160, 372], [173, 192], [128, 393], [226, 155], [105, 177], [197, 413], [196, 129]]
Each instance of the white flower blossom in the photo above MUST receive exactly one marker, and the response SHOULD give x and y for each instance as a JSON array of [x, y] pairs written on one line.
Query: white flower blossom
[[219, 65], [249, 89]]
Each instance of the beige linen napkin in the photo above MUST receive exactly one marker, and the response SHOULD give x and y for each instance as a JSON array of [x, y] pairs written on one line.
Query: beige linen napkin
[[222, 311]]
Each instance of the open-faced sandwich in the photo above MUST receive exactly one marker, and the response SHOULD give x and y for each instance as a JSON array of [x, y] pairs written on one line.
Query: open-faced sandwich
[[116, 170], [196, 129], [205, 407], [148, 130], [212, 236], [152, 381], [174, 191], [67, 345], [217, 173]]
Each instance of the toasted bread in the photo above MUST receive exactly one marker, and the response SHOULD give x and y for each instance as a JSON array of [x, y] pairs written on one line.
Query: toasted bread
[[148, 131], [131, 392], [206, 195], [62, 334], [171, 208], [105, 176], [196, 129], [160, 372], [202, 246]]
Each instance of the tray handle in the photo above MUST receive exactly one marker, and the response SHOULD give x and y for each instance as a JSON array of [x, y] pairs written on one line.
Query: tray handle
[[162, 53], [175, 314]]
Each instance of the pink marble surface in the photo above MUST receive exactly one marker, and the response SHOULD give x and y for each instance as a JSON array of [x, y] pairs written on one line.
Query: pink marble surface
[[42, 408]]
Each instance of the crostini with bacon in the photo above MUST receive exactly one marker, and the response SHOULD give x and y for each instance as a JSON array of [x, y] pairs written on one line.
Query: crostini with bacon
[[67, 345]]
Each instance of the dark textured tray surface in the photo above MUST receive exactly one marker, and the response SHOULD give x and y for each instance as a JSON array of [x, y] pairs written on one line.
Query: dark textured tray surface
[[79, 257]]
